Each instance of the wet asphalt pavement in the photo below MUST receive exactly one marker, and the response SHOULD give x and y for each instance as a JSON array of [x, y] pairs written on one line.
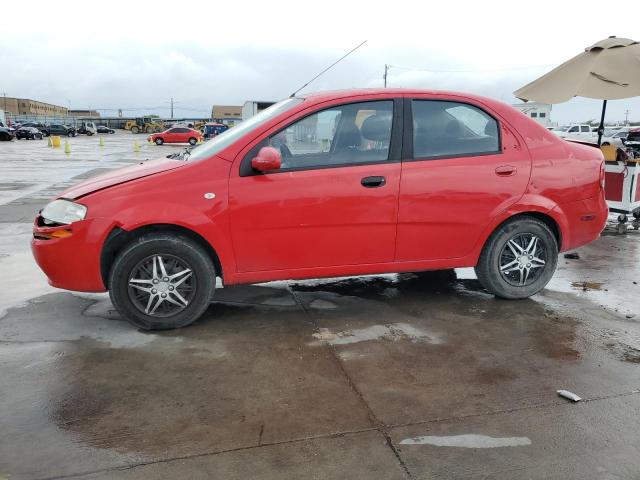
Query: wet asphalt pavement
[[382, 377]]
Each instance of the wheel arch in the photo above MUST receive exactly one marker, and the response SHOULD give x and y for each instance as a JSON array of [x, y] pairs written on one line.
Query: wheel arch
[[551, 218], [119, 238]]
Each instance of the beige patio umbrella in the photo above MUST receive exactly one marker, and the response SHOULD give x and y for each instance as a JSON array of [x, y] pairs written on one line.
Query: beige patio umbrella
[[607, 70]]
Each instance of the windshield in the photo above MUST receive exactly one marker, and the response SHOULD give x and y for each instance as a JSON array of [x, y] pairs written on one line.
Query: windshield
[[226, 138]]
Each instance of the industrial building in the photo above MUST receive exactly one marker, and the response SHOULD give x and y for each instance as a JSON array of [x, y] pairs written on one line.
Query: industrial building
[[84, 113], [26, 106], [540, 112], [227, 114]]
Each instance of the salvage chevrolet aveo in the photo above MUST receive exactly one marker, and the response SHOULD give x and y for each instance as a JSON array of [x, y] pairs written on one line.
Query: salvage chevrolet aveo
[[324, 185]]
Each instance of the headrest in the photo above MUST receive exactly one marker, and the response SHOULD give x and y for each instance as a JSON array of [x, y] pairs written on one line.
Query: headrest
[[376, 127]]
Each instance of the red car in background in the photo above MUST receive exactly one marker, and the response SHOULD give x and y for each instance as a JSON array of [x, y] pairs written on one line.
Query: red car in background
[[176, 135], [324, 185]]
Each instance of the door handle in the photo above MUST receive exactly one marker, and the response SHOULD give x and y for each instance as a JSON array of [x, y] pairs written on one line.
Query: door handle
[[506, 170], [373, 182]]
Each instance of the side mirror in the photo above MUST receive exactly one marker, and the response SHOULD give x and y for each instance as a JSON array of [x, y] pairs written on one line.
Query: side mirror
[[268, 158]]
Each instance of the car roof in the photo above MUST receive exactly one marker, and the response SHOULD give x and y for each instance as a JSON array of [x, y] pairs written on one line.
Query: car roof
[[319, 97]]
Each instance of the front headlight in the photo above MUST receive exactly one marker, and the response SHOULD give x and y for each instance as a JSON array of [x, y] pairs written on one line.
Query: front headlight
[[63, 211]]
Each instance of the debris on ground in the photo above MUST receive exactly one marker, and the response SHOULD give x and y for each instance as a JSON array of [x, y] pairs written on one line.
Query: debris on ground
[[569, 395], [572, 256]]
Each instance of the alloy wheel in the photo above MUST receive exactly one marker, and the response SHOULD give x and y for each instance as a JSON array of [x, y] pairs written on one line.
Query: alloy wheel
[[161, 285], [523, 259]]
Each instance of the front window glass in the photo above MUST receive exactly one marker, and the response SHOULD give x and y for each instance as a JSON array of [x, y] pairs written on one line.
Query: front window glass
[[226, 138], [442, 129], [342, 135]]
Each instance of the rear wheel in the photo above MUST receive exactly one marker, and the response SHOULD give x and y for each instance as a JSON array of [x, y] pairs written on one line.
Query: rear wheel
[[69, 134], [159, 141], [519, 258], [135, 129], [161, 282]]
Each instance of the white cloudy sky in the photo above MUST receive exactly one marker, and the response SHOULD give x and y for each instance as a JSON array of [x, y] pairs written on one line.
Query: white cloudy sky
[[141, 54]]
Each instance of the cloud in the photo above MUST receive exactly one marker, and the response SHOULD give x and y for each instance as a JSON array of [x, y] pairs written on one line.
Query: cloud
[[140, 57]]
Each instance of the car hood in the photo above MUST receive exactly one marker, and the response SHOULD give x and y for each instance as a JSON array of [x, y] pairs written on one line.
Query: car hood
[[119, 176]]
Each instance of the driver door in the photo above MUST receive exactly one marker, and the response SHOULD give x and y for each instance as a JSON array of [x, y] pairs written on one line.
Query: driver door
[[334, 200]]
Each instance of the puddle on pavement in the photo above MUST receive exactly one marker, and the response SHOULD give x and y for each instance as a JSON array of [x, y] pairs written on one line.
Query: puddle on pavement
[[468, 441], [390, 332], [586, 286]]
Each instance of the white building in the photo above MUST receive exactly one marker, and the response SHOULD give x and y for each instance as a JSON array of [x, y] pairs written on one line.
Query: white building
[[540, 112]]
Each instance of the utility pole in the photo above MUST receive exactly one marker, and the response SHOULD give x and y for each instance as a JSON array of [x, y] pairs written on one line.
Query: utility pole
[[4, 94], [171, 108], [626, 117], [386, 69]]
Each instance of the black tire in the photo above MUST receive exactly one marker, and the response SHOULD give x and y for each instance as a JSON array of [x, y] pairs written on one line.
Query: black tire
[[159, 141], [174, 247], [4, 137], [497, 250], [192, 141], [70, 134], [135, 129], [45, 133]]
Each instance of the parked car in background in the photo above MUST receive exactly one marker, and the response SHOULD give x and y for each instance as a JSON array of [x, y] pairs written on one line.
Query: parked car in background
[[28, 133], [6, 134], [40, 126], [176, 135], [584, 132], [63, 130], [330, 184], [211, 130], [633, 141], [87, 128], [103, 129]]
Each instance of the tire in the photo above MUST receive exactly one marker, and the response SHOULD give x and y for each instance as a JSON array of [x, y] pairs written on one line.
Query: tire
[[45, 133], [159, 141], [149, 130], [192, 141], [70, 134], [499, 251], [135, 129], [180, 252], [4, 137], [604, 144]]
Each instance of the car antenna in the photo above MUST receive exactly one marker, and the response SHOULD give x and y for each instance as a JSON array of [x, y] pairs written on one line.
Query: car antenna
[[328, 68]]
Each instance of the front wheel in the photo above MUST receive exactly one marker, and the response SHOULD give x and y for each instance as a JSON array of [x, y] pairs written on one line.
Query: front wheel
[[159, 141], [162, 281], [519, 258]]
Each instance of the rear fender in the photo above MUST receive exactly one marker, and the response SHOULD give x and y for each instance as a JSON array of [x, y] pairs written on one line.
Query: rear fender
[[529, 203]]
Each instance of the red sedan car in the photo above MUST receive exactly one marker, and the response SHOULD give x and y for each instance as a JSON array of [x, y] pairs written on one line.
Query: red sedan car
[[176, 135], [324, 185]]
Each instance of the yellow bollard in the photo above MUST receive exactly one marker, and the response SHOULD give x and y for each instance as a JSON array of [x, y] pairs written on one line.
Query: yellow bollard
[[49, 144], [136, 147], [55, 141], [101, 142], [67, 147]]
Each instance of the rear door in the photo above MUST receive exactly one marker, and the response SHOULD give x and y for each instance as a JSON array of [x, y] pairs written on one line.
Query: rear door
[[462, 166], [334, 200]]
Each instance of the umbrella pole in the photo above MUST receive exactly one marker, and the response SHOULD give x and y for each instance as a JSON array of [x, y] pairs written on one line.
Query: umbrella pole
[[601, 127]]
